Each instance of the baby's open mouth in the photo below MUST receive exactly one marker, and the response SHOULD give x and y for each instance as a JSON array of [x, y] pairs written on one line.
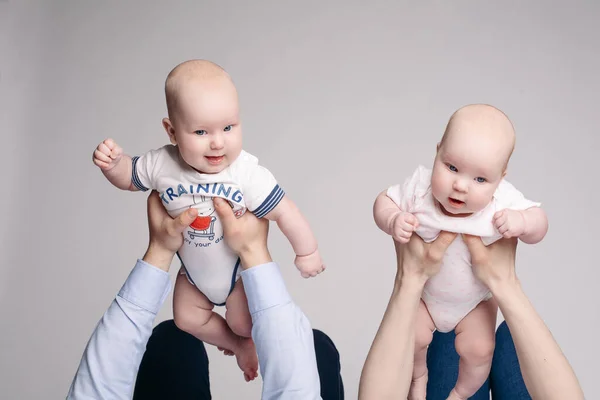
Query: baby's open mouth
[[455, 202], [214, 160]]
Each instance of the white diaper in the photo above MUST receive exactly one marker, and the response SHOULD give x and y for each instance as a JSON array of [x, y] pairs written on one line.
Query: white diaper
[[455, 291], [216, 282]]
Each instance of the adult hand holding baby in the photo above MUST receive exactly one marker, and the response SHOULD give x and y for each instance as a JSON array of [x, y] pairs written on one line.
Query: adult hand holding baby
[[166, 233], [246, 236], [419, 259], [494, 265]]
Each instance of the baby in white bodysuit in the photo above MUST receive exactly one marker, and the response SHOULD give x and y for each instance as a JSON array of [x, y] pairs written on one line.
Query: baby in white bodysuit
[[464, 193], [205, 160]]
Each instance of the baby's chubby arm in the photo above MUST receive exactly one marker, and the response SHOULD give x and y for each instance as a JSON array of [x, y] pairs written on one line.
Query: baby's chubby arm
[[115, 165], [392, 220], [536, 225], [530, 225], [296, 228]]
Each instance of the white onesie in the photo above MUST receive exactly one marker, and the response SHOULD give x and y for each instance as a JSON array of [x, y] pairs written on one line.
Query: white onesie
[[454, 291], [208, 262]]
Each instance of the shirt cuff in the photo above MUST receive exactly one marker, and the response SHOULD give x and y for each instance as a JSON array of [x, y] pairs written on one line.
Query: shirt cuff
[[264, 287], [146, 287]]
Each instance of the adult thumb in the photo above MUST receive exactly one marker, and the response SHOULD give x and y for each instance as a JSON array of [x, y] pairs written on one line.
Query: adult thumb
[[224, 211], [475, 246], [440, 245], [185, 219]]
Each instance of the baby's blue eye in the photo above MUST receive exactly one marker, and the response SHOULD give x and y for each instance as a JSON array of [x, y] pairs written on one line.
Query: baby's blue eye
[[201, 132], [227, 128], [452, 168], [480, 180]]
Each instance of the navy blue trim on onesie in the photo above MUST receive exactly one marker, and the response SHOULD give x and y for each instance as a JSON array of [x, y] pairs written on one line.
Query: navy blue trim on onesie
[[270, 202], [134, 175], [235, 269]]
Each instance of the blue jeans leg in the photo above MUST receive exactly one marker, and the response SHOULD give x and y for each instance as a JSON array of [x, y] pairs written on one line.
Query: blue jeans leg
[[442, 363], [506, 380]]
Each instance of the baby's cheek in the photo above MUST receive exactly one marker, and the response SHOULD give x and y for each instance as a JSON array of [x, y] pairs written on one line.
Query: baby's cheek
[[481, 200], [437, 187]]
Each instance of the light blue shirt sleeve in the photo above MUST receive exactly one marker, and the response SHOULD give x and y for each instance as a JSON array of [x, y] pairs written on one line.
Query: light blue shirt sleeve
[[113, 354], [283, 337]]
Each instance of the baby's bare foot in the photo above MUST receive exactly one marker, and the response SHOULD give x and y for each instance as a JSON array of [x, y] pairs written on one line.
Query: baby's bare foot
[[418, 388], [455, 396], [226, 352], [247, 359]]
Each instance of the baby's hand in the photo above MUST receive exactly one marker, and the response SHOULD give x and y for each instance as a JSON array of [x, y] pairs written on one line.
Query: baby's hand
[[107, 155], [310, 265], [403, 224], [509, 223]]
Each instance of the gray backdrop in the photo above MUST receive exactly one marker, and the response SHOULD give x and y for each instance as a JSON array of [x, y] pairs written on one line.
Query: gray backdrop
[[340, 99]]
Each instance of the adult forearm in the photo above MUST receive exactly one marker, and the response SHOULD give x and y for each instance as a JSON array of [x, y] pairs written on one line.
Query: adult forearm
[[159, 257], [283, 337], [112, 357], [256, 255], [387, 372], [546, 371]]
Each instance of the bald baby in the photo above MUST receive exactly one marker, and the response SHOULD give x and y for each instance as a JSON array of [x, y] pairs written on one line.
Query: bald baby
[[205, 160], [465, 193], [198, 75], [471, 158], [201, 98], [482, 126]]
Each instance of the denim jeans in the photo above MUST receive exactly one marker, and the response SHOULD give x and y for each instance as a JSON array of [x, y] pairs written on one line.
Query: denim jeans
[[504, 383]]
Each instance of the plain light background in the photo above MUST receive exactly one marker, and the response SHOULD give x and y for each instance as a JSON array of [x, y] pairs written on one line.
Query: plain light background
[[340, 99]]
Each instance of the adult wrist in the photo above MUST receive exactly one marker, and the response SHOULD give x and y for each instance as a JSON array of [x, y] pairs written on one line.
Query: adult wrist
[[252, 257], [505, 289], [159, 257], [410, 282]]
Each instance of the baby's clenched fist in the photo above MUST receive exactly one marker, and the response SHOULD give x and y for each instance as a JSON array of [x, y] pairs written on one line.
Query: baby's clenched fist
[[402, 226], [107, 155]]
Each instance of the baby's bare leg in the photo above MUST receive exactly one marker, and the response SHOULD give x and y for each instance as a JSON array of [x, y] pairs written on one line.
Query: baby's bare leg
[[237, 315], [423, 336], [475, 340], [239, 320], [192, 312]]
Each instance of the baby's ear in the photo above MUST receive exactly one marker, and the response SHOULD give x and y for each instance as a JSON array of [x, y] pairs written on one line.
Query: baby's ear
[[170, 130]]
